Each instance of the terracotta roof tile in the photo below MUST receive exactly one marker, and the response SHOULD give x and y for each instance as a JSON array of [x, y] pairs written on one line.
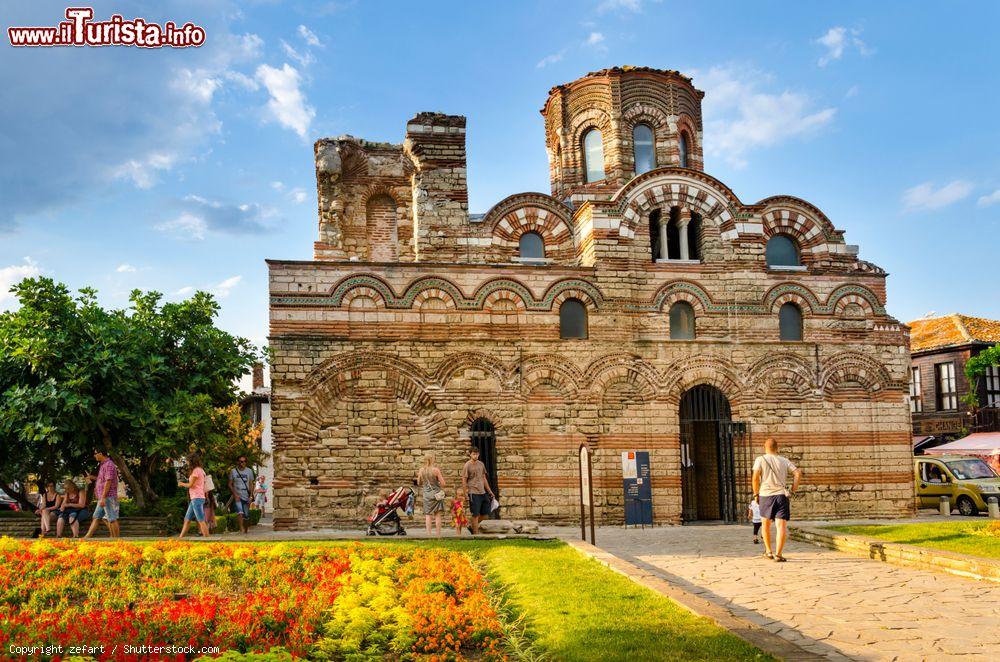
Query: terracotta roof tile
[[951, 330]]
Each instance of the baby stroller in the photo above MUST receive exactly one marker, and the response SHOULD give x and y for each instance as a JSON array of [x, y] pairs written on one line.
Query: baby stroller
[[385, 520]]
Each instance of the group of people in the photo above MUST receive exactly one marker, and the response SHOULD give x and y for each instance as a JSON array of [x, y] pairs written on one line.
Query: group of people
[[71, 508], [475, 486], [244, 490], [59, 511]]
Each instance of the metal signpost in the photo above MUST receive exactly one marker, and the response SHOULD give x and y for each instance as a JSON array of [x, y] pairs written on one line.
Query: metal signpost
[[586, 494]]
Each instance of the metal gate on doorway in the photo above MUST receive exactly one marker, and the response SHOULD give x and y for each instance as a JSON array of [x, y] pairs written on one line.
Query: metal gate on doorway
[[716, 458], [484, 437]]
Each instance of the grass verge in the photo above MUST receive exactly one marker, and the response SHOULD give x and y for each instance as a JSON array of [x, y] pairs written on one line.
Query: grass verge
[[570, 607], [975, 538]]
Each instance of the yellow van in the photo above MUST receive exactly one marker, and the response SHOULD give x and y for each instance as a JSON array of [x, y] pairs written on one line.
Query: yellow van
[[967, 482]]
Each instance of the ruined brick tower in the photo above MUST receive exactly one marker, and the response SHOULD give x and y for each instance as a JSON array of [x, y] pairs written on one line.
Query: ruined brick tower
[[639, 307]]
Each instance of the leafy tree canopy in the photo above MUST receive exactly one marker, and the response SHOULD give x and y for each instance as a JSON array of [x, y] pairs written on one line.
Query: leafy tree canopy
[[145, 383]]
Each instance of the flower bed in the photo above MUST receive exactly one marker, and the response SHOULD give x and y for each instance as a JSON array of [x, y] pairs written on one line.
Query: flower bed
[[321, 602]]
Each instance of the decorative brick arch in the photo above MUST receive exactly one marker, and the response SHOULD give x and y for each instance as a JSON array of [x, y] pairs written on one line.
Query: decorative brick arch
[[796, 293], [552, 366], [673, 187], [506, 288], [456, 363], [438, 287], [696, 370], [502, 296], [525, 214], [614, 369], [351, 287], [566, 288], [682, 290], [434, 294], [858, 294], [786, 211], [853, 367], [336, 381], [777, 372]]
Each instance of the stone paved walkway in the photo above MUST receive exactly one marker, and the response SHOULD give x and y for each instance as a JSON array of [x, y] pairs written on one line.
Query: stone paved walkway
[[838, 606]]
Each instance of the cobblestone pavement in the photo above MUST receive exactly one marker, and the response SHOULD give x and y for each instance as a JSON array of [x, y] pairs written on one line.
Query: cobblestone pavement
[[838, 606]]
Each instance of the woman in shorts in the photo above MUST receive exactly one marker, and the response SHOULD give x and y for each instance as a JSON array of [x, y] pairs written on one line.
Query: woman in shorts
[[73, 509], [195, 485]]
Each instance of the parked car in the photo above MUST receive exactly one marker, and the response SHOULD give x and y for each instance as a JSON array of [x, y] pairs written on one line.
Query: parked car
[[967, 482], [6, 503]]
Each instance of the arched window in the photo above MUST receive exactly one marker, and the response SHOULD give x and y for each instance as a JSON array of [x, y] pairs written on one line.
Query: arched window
[[682, 321], [782, 251], [790, 322], [642, 148], [684, 149], [593, 155], [572, 319], [531, 246]]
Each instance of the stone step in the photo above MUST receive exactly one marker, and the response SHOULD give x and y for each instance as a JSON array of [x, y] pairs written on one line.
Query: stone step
[[131, 527]]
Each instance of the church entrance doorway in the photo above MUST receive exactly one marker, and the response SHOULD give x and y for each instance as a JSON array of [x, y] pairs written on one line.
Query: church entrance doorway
[[716, 458], [484, 437]]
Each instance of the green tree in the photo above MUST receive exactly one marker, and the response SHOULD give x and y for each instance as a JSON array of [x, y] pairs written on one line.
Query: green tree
[[975, 368], [143, 383]]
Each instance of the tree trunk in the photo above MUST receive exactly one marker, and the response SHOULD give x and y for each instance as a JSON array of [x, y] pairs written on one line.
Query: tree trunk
[[146, 465], [17, 496], [137, 493]]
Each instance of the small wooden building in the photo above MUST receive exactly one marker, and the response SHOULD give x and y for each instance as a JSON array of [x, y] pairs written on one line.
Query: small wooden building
[[940, 348]]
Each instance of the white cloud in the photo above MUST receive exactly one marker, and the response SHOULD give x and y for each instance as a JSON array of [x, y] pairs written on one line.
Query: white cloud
[[838, 39], [594, 39], [278, 186], [10, 276], [606, 6], [143, 172], [196, 85], [125, 268], [991, 199], [852, 92], [186, 226], [304, 60], [740, 117], [223, 289], [199, 216], [184, 291], [242, 80], [924, 197], [298, 195], [287, 104], [309, 37], [551, 59]]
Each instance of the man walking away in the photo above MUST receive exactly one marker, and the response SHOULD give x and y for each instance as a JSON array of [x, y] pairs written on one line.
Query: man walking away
[[475, 484], [770, 475], [106, 492], [241, 482]]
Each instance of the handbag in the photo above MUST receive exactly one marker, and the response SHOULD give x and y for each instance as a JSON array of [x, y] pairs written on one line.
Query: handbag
[[440, 495]]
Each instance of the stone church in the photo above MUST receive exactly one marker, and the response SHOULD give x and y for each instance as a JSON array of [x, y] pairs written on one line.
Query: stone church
[[638, 306]]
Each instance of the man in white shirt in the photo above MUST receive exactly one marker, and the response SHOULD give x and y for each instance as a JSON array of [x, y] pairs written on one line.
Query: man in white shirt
[[770, 475]]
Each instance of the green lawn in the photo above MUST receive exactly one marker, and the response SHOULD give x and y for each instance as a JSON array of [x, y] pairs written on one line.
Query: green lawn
[[949, 536], [574, 608]]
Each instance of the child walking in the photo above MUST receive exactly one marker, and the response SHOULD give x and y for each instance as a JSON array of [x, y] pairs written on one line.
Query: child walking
[[458, 518], [753, 510]]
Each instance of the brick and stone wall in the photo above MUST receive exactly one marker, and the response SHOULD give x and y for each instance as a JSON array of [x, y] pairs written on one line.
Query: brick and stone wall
[[388, 347]]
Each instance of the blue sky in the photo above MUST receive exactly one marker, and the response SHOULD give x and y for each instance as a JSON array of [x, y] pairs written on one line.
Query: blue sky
[[177, 170]]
